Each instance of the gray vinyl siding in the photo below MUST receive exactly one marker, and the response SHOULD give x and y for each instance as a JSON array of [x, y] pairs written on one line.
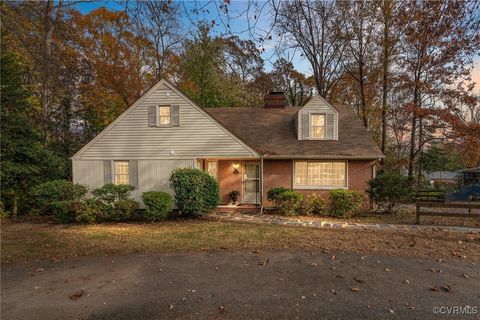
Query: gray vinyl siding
[[152, 174], [317, 105], [89, 173], [132, 138]]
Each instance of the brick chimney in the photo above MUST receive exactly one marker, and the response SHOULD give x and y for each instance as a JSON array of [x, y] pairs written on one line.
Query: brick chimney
[[274, 99]]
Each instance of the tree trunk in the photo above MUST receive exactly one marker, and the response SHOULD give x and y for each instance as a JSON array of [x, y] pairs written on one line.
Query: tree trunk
[[15, 205], [386, 61], [411, 159], [46, 57]]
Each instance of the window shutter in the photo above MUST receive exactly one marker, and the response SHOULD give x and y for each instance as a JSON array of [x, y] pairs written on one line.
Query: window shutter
[[305, 126], [133, 173], [176, 115], [152, 116], [330, 126], [107, 171]]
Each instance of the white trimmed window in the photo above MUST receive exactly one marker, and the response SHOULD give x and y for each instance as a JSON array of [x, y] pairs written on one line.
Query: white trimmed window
[[317, 126], [320, 174], [164, 115], [121, 172], [212, 168]]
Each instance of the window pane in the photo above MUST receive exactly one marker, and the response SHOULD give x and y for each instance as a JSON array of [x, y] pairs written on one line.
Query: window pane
[[212, 168], [320, 174], [318, 120], [121, 172], [301, 173], [164, 111], [318, 132], [121, 167]]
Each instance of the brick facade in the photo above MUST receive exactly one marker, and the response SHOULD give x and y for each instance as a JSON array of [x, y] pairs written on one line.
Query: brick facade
[[280, 173]]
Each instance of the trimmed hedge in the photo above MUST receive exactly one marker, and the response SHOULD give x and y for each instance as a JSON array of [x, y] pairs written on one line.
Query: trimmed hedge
[[290, 202], [196, 192], [344, 202], [110, 192], [158, 205], [275, 194], [48, 193], [314, 204]]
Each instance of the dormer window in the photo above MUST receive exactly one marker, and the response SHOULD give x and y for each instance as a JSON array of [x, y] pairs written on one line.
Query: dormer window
[[164, 115], [317, 126]]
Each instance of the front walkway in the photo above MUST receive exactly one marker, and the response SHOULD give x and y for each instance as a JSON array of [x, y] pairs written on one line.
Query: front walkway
[[298, 222]]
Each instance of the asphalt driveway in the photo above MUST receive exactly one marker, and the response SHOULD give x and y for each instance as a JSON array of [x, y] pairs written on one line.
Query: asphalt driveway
[[241, 285]]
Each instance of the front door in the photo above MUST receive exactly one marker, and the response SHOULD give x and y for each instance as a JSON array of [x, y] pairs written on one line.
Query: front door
[[251, 182]]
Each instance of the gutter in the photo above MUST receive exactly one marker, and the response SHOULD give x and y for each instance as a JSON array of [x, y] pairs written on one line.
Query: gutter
[[323, 157]]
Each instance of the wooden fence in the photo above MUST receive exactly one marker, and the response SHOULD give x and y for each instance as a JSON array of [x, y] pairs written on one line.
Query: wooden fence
[[429, 195], [467, 206]]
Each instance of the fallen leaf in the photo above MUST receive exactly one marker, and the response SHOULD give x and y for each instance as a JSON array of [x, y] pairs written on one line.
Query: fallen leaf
[[355, 289], [303, 297], [263, 263], [333, 257], [77, 295], [170, 307], [387, 270], [446, 288], [358, 280]]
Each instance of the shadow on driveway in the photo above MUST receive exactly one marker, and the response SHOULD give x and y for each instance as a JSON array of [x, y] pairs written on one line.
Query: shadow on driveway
[[238, 285]]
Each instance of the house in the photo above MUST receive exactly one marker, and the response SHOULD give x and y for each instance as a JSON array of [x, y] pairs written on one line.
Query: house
[[436, 177], [470, 176], [312, 149]]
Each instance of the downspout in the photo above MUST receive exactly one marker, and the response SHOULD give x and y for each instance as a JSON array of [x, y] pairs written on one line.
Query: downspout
[[261, 184]]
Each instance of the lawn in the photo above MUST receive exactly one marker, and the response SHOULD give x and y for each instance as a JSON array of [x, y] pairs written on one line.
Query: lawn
[[29, 241]]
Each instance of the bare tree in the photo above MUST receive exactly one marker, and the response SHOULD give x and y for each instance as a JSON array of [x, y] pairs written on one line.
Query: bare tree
[[159, 23], [361, 58], [313, 27]]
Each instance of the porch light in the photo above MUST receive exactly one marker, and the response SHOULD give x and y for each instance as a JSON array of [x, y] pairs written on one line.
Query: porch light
[[236, 166]]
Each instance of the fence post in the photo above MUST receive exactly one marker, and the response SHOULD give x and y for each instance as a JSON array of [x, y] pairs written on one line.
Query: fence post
[[417, 213]]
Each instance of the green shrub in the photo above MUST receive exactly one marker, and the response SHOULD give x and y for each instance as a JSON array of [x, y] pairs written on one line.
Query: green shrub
[[82, 212], [388, 190], [98, 209], [61, 211], [123, 210], [274, 194], [3, 213], [110, 192], [314, 204], [290, 202], [196, 192], [158, 205], [344, 202], [47, 193]]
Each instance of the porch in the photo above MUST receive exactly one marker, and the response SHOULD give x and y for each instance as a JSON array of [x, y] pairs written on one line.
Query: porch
[[243, 176]]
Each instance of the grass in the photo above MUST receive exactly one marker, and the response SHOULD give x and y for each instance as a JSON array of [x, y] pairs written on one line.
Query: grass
[[27, 241]]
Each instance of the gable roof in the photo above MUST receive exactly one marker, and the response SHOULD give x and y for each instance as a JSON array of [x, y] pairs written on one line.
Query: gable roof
[[159, 84], [272, 132]]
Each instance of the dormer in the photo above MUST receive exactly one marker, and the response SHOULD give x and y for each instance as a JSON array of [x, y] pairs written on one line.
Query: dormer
[[317, 120]]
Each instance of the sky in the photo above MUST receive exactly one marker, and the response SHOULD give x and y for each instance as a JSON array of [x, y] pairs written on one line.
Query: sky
[[238, 26]]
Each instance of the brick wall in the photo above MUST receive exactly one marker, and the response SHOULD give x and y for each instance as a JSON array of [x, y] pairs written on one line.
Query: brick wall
[[280, 173]]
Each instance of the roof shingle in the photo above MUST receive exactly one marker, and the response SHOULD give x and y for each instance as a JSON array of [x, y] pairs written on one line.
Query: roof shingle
[[272, 132]]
